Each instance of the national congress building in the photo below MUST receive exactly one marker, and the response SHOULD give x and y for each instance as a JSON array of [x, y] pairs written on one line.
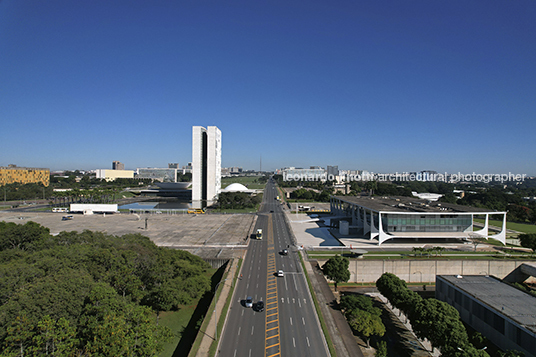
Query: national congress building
[[386, 218], [206, 163]]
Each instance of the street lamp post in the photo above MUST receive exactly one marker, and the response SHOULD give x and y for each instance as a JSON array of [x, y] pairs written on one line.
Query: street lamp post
[[215, 316]]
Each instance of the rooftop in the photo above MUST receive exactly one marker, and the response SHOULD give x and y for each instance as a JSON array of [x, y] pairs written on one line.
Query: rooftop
[[505, 299], [408, 204]]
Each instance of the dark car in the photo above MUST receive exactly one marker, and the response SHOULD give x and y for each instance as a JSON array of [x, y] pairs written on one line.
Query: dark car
[[284, 252], [259, 307]]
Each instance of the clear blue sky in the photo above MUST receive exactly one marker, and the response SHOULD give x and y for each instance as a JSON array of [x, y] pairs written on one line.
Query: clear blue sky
[[383, 86]]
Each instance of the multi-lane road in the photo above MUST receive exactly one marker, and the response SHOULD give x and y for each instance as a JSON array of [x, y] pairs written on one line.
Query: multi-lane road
[[288, 326]]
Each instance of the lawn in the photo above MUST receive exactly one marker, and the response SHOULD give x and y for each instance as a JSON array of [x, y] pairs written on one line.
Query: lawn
[[520, 227], [185, 322], [177, 322], [248, 181]]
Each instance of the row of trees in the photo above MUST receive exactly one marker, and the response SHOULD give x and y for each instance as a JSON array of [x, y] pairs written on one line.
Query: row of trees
[[237, 200], [430, 319], [96, 195], [96, 190], [90, 294], [29, 191], [310, 195]]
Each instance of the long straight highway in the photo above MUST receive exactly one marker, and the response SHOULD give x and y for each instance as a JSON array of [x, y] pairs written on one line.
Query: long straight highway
[[288, 326]]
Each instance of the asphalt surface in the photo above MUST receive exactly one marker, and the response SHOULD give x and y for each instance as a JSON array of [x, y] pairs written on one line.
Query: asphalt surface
[[288, 326]]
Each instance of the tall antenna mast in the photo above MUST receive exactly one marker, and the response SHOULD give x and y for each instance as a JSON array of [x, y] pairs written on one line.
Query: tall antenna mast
[[260, 170]]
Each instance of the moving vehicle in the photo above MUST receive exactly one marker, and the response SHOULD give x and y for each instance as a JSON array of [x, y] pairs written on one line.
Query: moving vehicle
[[280, 273], [258, 235], [66, 218], [259, 307], [249, 302], [284, 252]]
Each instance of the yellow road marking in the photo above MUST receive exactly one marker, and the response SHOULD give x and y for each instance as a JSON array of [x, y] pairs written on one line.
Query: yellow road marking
[[272, 318]]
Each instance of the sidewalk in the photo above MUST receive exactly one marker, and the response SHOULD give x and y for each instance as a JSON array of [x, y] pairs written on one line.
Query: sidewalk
[[209, 329], [340, 333]]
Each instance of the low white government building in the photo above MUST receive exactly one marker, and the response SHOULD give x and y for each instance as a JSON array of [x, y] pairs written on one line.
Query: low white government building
[[386, 218], [91, 208]]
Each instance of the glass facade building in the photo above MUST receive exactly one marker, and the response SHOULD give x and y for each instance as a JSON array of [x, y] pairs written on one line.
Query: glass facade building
[[393, 222], [388, 218]]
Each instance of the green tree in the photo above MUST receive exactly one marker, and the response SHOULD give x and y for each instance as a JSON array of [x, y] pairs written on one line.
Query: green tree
[[351, 302], [366, 324], [381, 350], [512, 353], [54, 337], [19, 336], [30, 236], [336, 269], [528, 240], [371, 186]]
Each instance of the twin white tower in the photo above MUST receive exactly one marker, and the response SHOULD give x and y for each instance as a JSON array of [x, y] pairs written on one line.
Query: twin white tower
[[206, 163]]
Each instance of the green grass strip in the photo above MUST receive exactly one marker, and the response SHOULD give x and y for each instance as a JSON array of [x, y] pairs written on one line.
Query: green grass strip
[[520, 227], [223, 314]]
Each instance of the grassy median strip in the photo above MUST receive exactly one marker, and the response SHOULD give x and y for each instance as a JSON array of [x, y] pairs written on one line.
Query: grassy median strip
[[210, 311], [318, 311], [223, 314]]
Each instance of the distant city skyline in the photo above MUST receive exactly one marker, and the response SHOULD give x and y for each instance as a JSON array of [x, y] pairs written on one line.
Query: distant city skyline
[[387, 86]]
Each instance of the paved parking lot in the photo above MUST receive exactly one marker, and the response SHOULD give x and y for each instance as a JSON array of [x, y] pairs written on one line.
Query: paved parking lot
[[204, 234]]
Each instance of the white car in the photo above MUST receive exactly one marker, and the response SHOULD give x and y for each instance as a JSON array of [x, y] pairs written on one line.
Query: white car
[[249, 302], [280, 273]]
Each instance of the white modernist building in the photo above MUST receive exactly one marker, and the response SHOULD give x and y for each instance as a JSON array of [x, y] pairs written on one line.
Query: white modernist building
[[206, 163], [89, 209], [388, 218]]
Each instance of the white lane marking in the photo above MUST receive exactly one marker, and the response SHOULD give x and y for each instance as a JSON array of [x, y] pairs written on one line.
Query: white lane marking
[[242, 312], [303, 320], [286, 286], [234, 353], [250, 353], [252, 328], [295, 285], [299, 302], [291, 320], [308, 344], [239, 328], [293, 341]]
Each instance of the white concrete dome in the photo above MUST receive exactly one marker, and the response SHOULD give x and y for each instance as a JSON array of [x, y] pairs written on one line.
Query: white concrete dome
[[235, 187]]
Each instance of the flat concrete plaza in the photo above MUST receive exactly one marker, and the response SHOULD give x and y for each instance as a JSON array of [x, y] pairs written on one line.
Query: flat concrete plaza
[[204, 234]]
